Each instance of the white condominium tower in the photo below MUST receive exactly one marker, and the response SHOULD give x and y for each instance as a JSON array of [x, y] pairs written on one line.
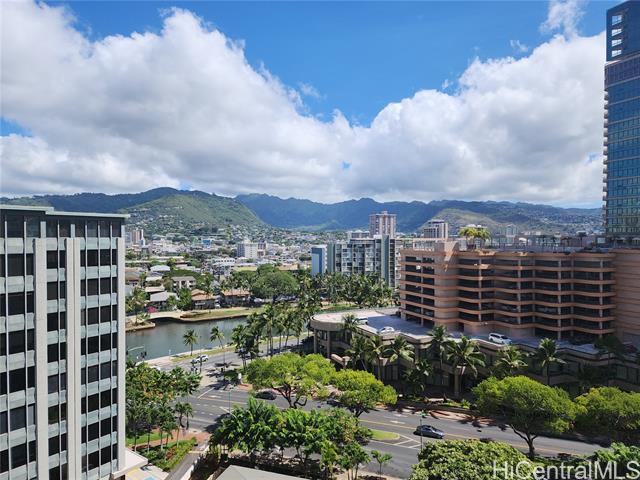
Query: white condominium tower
[[62, 345]]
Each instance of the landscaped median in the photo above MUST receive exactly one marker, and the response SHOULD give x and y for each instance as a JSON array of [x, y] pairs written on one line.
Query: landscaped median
[[383, 436], [167, 457]]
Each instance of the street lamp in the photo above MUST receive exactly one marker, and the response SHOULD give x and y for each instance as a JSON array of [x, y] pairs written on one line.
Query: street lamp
[[422, 415]]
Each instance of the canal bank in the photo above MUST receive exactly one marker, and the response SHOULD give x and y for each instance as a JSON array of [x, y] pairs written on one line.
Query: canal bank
[[167, 336]]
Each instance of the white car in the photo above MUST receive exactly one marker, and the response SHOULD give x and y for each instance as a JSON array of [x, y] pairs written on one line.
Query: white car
[[387, 330], [499, 338]]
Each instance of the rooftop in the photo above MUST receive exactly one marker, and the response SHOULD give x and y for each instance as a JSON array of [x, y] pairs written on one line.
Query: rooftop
[[52, 211]]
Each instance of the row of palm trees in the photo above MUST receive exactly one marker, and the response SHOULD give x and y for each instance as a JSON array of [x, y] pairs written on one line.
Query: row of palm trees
[[462, 355]]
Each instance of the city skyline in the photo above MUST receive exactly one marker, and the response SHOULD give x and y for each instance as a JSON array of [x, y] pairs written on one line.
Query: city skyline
[[467, 135]]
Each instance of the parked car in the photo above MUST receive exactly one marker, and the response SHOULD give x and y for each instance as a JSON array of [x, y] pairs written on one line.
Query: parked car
[[499, 338], [266, 395], [386, 330], [200, 358], [429, 431]]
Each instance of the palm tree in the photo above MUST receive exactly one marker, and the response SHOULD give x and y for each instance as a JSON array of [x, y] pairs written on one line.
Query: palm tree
[[474, 233], [399, 349], [349, 323], [417, 376], [439, 345], [358, 352], [613, 348], [509, 362], [547, 355], [190, 338], [464, 356], [375, 352], [216, 335], [183, 410]]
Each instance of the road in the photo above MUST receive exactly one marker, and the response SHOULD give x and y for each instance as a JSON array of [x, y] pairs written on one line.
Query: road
[[214, 399]]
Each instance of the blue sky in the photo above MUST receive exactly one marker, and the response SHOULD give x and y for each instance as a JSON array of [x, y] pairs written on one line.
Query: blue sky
[[320, 100], [358, 56]]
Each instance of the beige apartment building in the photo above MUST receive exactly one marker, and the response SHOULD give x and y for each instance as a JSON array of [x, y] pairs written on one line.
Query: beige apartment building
[[575, 295]]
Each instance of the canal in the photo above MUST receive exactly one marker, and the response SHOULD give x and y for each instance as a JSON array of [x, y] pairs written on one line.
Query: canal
[[166, 337]]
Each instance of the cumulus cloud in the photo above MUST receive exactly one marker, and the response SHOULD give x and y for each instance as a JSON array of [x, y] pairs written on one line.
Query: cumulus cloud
[[518, 46], [183, 106], [563, 16]]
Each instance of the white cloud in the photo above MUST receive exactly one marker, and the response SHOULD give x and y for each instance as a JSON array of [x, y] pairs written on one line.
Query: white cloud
[[309, 90], [183, 106], [518, 46], [563, 16]]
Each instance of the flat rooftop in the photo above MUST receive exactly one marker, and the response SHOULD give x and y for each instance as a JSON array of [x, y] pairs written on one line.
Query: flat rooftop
[[384, 317], [52, 211]]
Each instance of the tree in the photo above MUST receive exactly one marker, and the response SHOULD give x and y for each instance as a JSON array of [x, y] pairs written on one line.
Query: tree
[[182, 410], [611, 412], [381, 458], [360, 391], [349, 324], [464, 356], [547, 355], [358, 352], [293, 376], [475, 233], [172, 302], [467, 459], [274, 284], [135, 302], [190, 338], [611, 347], [399, 349], [375, 352], [251, 429], [417, 376], [216, 335], [439, 345], [245, 341], [510, 361], [184, 299], [530, 408], [625, 457], [353, 455]]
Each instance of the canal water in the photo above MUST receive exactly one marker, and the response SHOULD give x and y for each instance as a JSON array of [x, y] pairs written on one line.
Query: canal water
[[166, 337]]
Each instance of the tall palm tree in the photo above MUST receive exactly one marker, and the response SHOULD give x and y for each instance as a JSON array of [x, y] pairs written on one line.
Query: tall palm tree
[[510, 361], [417, 376], [182, 410], [216, 335], [375, 352], [349, 324], [613, 348], [358, 352], [464, 356], [399, 349], [190, 338], [547, 355], [438, 345]]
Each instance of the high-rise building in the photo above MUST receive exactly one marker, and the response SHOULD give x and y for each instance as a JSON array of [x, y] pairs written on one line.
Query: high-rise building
[[382, 224], [62, 345], [247, 249], [622, 123], [436, 228], [318, 260], [364, 256]]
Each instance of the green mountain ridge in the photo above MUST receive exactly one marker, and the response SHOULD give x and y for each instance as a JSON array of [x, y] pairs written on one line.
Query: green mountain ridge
[[164, 210]]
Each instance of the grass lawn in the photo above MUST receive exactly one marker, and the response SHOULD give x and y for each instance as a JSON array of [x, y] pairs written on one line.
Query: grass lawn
[[382, 435], [142, 439], [231, 348], [168, 458]]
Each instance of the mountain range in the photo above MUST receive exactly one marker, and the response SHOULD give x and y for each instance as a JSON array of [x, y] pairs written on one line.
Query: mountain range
[[167, 209]]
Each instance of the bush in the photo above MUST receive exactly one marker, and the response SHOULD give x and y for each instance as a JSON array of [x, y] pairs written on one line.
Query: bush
[[168, 458]]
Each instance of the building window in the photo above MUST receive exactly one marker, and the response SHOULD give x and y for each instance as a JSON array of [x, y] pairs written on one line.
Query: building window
[[615, 42], [19, 455], [53, 383], [15, 265], [17, 380], [616, 19], [18, 418], [615, 53], [16, 342], [15, 226]]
